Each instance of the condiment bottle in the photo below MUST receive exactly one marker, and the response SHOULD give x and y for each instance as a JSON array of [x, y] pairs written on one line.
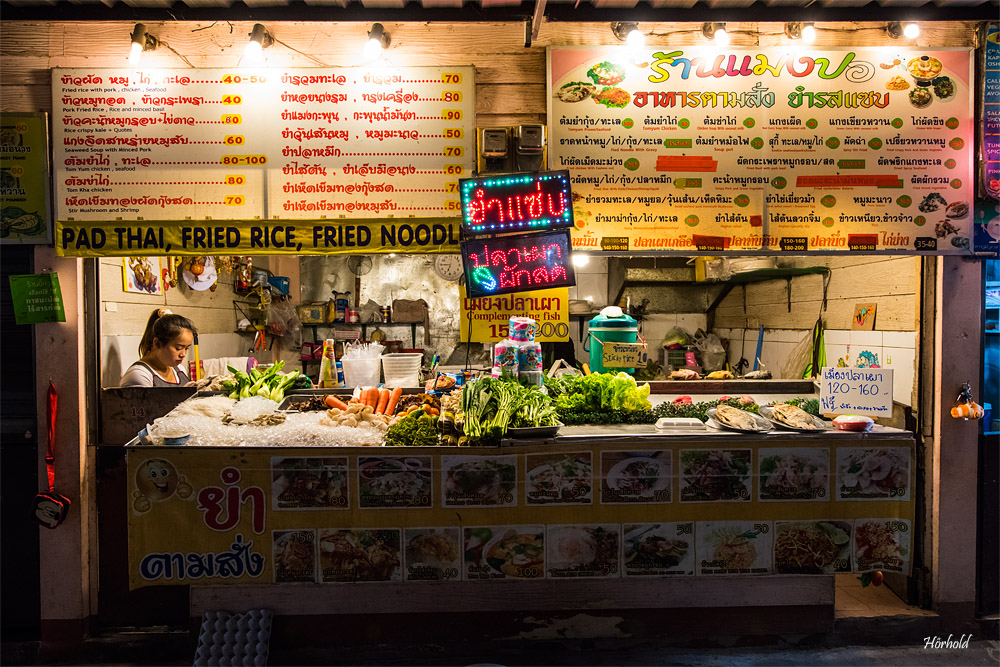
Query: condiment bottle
[[327, 368]]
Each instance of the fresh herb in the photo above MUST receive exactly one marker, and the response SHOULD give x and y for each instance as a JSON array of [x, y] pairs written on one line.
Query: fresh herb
[[413, 431]]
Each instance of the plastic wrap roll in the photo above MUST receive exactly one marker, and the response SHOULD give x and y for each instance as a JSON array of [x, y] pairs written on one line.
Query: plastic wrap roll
[[521, 329]]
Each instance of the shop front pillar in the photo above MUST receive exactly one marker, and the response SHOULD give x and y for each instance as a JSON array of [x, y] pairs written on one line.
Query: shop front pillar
[[65, 551], [952, 501]]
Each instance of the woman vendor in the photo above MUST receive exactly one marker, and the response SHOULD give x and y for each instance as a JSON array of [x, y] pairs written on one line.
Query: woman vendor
[[163, 346]]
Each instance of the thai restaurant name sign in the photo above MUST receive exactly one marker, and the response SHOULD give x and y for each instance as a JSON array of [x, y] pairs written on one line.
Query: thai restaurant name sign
[[694, 150], [265, 161]]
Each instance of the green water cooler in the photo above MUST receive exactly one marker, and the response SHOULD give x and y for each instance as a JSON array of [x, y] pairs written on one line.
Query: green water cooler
[[612, 325]]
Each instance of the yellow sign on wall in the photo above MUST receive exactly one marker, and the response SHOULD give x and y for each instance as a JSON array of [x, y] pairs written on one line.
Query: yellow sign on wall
[[488, 315]]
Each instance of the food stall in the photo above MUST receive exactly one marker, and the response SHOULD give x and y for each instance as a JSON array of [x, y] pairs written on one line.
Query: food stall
[[777, 159]]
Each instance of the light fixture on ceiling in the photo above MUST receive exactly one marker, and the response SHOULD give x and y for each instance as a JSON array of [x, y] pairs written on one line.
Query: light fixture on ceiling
[[804, 31], [716, 32], [628, 32], [260, 39], [378, 40], [580, 259], [895, 29], [141, 41]]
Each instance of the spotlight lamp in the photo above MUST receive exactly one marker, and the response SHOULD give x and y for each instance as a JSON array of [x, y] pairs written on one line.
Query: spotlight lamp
[[895, 29], [378, 41], [141, 41], [260, 39], [804, 31], [628, 31], [716, 32]]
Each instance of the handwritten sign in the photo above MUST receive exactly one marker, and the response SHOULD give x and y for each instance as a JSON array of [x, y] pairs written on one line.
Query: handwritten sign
[[865, 391], [37, 298], [624, 355]]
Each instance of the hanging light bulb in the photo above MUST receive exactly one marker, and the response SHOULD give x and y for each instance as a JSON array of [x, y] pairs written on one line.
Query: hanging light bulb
[[628, 32], [140, 42], [378, 40], [580, 259], [808, 33], [260, 39], [911, 31], [635, 39]]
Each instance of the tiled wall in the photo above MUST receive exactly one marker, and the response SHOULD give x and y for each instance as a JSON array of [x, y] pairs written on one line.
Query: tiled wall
[[785, 352]]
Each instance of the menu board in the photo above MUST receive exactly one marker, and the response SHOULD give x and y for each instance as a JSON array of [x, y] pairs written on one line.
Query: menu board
[[134, 146], [991, 113], [24, 178], [333, 515], [698, 150]]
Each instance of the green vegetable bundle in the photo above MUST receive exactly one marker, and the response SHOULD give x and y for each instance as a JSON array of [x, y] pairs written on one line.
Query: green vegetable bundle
[[416, 429], [492, 405], [269, 384], [698, 410]]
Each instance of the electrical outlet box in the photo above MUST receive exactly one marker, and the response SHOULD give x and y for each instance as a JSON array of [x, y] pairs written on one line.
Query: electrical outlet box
[[529, 147], [493, 149]]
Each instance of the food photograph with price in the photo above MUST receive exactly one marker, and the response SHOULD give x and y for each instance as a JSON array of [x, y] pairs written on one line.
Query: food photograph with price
[[500, 333]]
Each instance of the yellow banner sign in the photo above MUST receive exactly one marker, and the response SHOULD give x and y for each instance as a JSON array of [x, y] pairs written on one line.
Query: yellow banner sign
[[488, 315], [210, 516], [256, 237]]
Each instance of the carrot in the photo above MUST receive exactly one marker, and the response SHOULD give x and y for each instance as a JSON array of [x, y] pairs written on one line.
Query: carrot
[[372, 397], [383, 400], [335, 402], [390, 407]]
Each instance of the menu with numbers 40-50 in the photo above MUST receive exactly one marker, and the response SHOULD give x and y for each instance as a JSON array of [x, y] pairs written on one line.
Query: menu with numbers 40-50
[[294, 144]]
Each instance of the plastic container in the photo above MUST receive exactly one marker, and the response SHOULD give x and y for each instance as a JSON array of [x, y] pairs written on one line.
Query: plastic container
[[610, 326], [532, 377], [402, 369], [521, 329], [280, 283], [360, 372]]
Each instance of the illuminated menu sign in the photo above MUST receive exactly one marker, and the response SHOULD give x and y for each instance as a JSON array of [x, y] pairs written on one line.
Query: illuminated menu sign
[[512, 202], [517, 263]]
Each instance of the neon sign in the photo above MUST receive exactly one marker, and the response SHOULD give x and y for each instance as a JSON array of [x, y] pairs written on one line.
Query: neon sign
[[516, 202], [517, 263]]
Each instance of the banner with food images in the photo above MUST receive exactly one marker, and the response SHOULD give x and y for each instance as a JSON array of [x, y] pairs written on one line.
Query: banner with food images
[[693, 149], [335, 515]]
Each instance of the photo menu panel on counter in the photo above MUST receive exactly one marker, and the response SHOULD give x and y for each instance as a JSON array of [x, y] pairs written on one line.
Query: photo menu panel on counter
[[778, 150], [234, 144]]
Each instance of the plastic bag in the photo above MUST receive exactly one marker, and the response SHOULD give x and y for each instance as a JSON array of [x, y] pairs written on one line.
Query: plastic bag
[[713, 354], [282, 319], [676, 336]]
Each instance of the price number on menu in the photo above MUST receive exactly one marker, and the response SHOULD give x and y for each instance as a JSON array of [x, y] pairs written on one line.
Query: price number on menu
[[452, 206], [18, 172], [237, 78], [451, 77], [925, 243], [528, 572], [232, 119], [21, 128], [454, 169], [609, 569], [451, 114], [545, 330], [862, 242], [453, 133], [761, 528], [451, 96], [896, 526], [505, 498], [233, 140], [794, 243], [234, 200], [244, 159], [232, 99], [451, 187], [685, 529], [453, 151], [236, 179]]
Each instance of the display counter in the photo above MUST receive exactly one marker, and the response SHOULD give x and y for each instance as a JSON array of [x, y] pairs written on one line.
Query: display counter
[[596, 517]]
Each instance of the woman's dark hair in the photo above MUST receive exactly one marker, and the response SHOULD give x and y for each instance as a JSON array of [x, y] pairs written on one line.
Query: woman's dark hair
[[164, 328]]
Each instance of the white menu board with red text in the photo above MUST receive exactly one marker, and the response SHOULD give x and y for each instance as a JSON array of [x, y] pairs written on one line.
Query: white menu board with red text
[[261, 144], [693, 149]]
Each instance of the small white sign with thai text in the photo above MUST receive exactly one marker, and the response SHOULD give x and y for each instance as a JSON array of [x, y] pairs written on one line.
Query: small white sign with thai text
[[860, 391]]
